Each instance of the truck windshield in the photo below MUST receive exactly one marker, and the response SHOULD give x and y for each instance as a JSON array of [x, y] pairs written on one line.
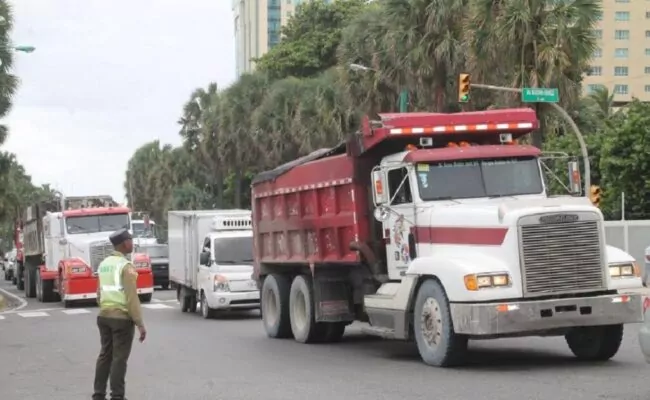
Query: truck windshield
[[236, 250], [139, 230], [479, 178], [96, 223]]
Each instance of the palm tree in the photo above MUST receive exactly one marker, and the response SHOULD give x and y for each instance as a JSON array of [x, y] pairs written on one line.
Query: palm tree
[[532, 43]]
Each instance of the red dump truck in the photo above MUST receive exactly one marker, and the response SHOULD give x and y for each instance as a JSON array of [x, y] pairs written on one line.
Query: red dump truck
[[437, 228]]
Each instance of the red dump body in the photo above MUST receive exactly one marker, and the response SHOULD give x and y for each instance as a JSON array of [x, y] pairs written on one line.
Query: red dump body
[[310, 210]]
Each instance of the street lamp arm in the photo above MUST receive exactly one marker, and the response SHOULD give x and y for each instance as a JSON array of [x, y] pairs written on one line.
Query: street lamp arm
[[566, 116]]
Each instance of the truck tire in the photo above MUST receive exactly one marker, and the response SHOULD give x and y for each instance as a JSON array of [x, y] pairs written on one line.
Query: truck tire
[[7, 276], [44, 290], [206, 311], [333, 332], [438, 344], [595, 343], [30, 283], [20, 280], [14, 280], [164, 286], [275, 306], [304, 327], [146, 298]]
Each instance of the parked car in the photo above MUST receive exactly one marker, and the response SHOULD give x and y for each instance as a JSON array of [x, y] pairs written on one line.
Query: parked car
[[10, 266]]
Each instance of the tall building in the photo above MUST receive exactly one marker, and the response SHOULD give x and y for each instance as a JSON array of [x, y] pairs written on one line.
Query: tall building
[[622, 61], [257, 28]]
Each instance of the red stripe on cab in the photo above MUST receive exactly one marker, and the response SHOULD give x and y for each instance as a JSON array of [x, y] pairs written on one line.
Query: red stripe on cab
[[465, 235]]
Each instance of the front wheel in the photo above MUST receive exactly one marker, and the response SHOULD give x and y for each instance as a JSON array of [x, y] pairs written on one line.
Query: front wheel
[[438, 344], [595, 343], [206, 311]]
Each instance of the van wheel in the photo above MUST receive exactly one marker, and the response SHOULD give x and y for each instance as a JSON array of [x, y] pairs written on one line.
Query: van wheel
[[595, 343], [437, 342], [275, 306], [206, 311]]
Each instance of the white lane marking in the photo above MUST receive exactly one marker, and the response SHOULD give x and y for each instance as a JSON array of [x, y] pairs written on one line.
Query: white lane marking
[[156, 306], [77, 311], [23, 302], [33, 314], [1, 317], [36, 310]]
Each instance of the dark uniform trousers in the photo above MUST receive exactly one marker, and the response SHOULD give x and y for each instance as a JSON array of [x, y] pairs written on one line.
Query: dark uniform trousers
[[116, 338]]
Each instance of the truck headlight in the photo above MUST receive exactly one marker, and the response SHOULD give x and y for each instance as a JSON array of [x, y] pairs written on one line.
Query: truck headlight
[[221, 284], [626, 270], [475, 282]]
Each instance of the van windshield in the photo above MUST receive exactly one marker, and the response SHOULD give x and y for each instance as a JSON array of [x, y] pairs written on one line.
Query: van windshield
[[479, 178], [140, 230], [235, 250], [96, 223]]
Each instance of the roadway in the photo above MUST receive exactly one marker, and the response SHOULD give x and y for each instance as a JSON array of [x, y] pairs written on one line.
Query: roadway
[[47, 352]]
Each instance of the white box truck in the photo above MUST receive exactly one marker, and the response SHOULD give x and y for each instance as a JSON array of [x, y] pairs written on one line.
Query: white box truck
[[211, 260]]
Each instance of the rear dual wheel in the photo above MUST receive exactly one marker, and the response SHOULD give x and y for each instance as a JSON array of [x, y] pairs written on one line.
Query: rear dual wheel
[[288, 310]]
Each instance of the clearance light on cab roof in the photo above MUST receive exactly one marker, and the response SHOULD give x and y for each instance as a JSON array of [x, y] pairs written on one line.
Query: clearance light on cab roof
[[462, 128]]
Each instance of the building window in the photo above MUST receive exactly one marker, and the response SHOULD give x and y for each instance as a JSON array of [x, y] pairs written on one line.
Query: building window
[[274, 23], [647, 70], [621, 53], [597, 53], [620, 71], [599, 17], [647, 34], [595, 70], [647, 52], [622, 16], [621, 34], [647, 14], [622, 1], [647, 88], [598, 33], [620, 89], [594, 87]]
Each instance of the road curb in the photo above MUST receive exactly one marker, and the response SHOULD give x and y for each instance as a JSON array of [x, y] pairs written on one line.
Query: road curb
[[11, 302]]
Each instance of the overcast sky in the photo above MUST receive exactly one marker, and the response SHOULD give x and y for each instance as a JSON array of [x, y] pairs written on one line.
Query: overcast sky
[[108, 76]]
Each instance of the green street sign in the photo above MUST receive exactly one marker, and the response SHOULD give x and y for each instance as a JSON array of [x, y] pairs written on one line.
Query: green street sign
[[25, 49], [540, 95]]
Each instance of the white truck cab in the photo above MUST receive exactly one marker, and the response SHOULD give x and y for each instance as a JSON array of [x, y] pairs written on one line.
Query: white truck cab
[[218, 275]]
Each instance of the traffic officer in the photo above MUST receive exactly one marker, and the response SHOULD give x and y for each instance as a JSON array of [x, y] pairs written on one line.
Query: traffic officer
[[119, 314]]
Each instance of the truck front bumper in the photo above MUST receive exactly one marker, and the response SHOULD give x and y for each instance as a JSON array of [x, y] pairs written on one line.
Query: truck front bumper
[[503, 318], [233, 300]]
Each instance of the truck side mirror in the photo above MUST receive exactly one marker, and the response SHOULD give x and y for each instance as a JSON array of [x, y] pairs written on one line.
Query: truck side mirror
[[379, 194], [204, 259], [575, 182]]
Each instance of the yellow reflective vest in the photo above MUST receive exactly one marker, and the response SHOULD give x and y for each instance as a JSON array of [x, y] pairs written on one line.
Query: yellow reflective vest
[[111, 291]]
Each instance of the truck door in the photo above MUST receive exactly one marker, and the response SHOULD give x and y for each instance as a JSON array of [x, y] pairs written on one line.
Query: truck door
[[204, 278], [397, 228]]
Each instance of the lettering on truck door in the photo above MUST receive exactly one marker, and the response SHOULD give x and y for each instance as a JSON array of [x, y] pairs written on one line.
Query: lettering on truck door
[[397, 227]]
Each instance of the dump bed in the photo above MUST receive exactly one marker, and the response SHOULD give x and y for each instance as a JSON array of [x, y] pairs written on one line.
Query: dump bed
[[187, 229], [33, 227], [315, 208], [309, 211]]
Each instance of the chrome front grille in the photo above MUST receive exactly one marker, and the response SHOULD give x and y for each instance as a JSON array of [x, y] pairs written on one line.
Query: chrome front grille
[[563, 255], [98, 252]]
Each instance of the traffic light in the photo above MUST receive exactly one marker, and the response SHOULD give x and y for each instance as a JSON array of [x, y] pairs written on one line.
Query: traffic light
[[463, 88], [594, 195]]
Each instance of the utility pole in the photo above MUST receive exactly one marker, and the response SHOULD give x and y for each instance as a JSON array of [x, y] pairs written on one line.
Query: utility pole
[[565, 115]]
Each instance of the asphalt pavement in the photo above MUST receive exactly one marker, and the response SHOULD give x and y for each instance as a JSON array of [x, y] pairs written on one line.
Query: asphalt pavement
[[48, 352]]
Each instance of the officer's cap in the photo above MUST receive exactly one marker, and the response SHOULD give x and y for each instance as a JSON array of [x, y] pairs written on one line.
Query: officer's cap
[[119, 237]]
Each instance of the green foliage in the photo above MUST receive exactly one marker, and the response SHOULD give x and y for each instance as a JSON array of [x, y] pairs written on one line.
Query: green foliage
[[310, 39], [625, 169], [304, 96], [8, 81]]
